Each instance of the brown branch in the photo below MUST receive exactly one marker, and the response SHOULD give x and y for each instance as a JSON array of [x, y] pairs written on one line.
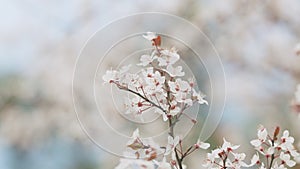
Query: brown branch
[[141, 96]]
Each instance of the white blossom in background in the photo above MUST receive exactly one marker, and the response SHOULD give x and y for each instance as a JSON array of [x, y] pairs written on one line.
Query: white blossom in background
[[297, 49], [296, 101], [297, 94]]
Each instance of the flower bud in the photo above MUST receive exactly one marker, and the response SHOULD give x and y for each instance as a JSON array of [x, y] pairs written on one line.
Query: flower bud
[[153, 156], [136, 145], [276, 132]]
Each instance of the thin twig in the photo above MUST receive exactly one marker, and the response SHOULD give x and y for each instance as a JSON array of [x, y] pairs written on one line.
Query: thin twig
[[138, 94]]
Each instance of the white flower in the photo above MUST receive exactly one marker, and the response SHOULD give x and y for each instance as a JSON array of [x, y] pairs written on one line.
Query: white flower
[[132, 81], [174, 72], [134, 164], [148, 72], [286, 138], [254, 160], [191, 82], [270, 151], [199, 97], [164, 116], [134, 145], [262, 136], [154, 83], [110, 76], [131, 105], [227, 146], [238, 161], [286, 141], [150, 36], [276, 166], [145, 60], [158, 79], [225, 154], [180, 90], [153, 79], [293, 152], [114, 75], [183, 97], [163, 164], [286, 159], [211, 158], [124, 69], [168, 57], [136, 106], [202, 145], [172, 143], [179, 85], [174, 109]]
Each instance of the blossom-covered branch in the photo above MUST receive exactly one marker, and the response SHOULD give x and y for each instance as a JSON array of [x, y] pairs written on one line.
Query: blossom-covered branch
[[160, 86], [277, 151], [273, 152]]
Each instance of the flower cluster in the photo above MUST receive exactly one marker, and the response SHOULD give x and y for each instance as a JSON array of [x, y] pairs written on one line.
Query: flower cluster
[[273, 152], [225, 157], [297, 49], [142, 148], [159, 84], [278, 152], [146, 154], [161, 87]]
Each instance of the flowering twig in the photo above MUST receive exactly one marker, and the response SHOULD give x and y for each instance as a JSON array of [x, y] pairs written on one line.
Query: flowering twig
[[159, 84]]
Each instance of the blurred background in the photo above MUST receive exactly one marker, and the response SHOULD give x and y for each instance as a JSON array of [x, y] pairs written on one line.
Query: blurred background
[[40, 40]]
